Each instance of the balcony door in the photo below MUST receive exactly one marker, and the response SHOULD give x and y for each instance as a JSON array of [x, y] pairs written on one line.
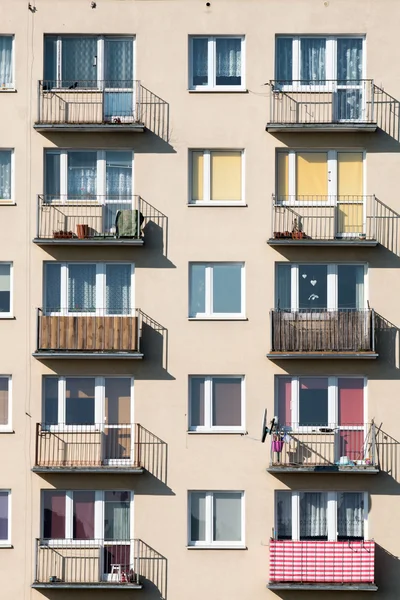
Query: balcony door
[[350, 215], [119, 97], [118, 430], [351, 94]]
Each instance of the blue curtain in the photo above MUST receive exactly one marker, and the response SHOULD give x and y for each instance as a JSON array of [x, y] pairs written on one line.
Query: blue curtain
[[79, 61], [118, 63], [284, 60], [52, 287]]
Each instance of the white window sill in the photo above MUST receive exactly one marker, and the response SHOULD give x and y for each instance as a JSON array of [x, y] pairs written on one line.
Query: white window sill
[[218, 204], [7, 90], [5, 545], [217, 431], [6, 430], [218, 318], [216, 547], [223, 90], [5, 317]]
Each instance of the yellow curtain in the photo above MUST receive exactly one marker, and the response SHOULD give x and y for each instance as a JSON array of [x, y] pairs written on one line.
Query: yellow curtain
[[350, 190], [312, 175], [226, 176], [283, 175], [197, 176]]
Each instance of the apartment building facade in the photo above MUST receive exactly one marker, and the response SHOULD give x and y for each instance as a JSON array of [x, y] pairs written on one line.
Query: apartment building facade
[[198, 306]]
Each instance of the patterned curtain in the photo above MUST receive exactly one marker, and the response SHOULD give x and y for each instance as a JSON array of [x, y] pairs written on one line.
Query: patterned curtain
[[81, 288], [79, 61], [118, 175], [349, 59], [228, 61], [82, 174], [118, 289], [6, 74], [118, 63], [312, 60], [200, 61], [284, 60], [313, 515], [5, 175], [350, 515]]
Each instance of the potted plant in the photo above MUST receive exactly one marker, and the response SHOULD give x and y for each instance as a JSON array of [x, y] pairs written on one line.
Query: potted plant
[[82, 231]]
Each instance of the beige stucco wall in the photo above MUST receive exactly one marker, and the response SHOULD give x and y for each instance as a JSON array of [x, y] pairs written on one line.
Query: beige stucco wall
[[197, 120]]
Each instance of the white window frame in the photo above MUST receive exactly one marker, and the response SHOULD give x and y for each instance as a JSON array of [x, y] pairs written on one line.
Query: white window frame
[[99, 402], [333, 406], [10, 87], [332, 509], [209, 314], [100, 287], [8, 427], [101, 172], [7, 543], [208, 427], [7, 201], [332, 284], [99, 506], [207, 179], [100, 58], [330, 60], [209, 543], [212, 87], [10, 314]]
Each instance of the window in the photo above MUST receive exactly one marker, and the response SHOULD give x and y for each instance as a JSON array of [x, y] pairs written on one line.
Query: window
[[331, 516], [87, 515], [88, 175], [101, 288], [5, 403], [105, 401], [6, 62], [5, 289], [5, 517], [217, 63], [89, 61], [322, 287], [311, 60], [216, 519], [216, 404], [216, 290], [6, 173], [216, 177]]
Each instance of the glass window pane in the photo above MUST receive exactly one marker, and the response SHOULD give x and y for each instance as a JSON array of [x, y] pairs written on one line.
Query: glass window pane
[[79, 401], [350, 515], [284, 408], [313, 287], [119, 175], [3, 515], [349, 59], [284, 515], [4, 386], [5, 283], [83, 515], [5, 174], [6, 63], [228, 66], [52, 176], [227, 288], [313, 401], [82, 175], [81, 287], [197, 176], [226, 401], [118, 289], [197, 517], [117, 400], [283, 299], [52, 282], [284, 60], [117, 516], [227, 526], [53, 514], [197, 401], [283, 175], [197, 290], [200, 61], [50, 61], [226, 176], [351, 401], [50, 401], [312, 60], [79, 59], [118, 63], [313, 516], [351, 287]]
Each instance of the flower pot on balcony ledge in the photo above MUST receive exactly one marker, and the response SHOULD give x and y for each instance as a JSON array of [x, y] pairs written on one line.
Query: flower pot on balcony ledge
[[82, 231]]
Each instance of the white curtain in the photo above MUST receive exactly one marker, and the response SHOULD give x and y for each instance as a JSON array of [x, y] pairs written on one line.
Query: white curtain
[[118, 289], [349, 59], [117, 517], [227, 526], [284, 60], [350, 515], [118, 175], [200, 61], [82, 174], [228, 61], [312, 60], [5, 175], [284, 515], [81, 287], [6, 74], [313, 515]]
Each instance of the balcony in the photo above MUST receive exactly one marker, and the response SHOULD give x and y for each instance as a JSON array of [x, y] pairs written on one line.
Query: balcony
[[93, 564], [100, 334], [320, 565], [323, 106], [328, 448], [97, 448], [97, 221], [318, 333], [325, 221], [86, 106]]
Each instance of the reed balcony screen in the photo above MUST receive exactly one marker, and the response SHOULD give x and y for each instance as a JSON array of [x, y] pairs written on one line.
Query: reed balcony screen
[[90, 219], [324, 448], [116, 103], [341, 564], [315, 219], [345, 104], [348, 331], [100, 331]]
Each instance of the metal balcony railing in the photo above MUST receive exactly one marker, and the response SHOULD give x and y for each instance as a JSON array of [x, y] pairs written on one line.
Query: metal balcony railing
[[90, 102], [322, 563], [317, 102], [89, 330], [321, 330], [326, 218], [320, 447], [93, 218]]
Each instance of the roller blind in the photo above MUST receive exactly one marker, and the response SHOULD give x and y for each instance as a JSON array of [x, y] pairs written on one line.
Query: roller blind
[[312, 174], [226, 176], [197, 176]]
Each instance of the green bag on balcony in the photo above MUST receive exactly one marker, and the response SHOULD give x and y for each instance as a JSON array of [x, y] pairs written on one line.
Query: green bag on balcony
[[128, 223]]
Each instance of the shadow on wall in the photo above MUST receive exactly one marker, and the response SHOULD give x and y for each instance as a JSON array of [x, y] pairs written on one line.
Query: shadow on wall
[[387, 573], [153, 572]]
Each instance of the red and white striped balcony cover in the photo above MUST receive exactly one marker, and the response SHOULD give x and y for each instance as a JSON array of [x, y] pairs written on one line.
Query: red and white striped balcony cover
[[322, 562]]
